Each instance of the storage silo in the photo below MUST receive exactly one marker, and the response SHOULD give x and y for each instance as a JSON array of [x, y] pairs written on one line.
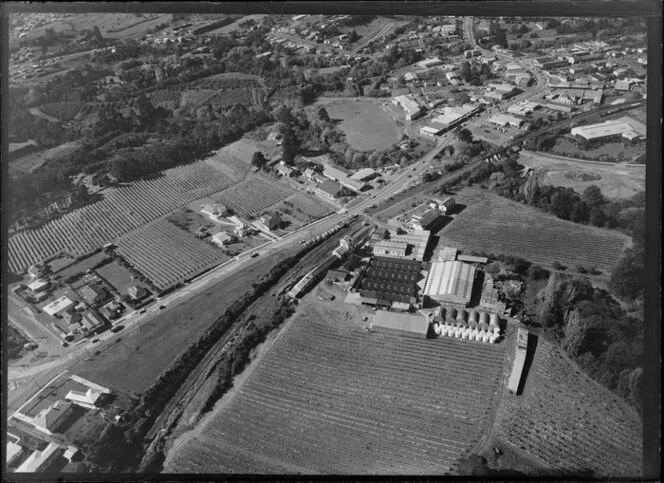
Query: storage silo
[[484, 318], [451, 314], [472, 315], [462, 315], [485, 337], [494, 319]]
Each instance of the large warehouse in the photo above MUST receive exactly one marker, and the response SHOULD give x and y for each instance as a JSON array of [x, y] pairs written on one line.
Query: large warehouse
[[450, 282], [388, 282], [607, 130], [408, 325]]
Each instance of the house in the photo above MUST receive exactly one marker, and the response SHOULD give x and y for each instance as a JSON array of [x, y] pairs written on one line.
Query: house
[[38, 285], [287, 171], [37, 270], [331, 190], [87, 399], [40, 460], [222, 238], [215, 210], [271, 221], [91, 322], [112, 310], [425, 220], [93, 294], [58, 306], [309, 173], [51, 418], [14, 452], [136, 292], [73, 320]]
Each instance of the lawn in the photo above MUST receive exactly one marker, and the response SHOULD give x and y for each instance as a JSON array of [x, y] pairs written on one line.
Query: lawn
[[144, 353], [366, 125], [118, 276]]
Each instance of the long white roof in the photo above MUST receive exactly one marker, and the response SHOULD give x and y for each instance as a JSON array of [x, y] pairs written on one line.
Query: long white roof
[[450, 278]]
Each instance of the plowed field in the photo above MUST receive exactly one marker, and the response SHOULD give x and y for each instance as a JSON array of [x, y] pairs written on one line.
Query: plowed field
[[333, 399]]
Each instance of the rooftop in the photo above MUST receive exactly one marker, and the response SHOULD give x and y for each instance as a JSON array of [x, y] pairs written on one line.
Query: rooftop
[[402, 322]]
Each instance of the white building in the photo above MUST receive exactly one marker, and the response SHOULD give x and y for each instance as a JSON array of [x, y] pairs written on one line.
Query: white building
[[609, 129], [450, 282], [506, 120], [412, 108], [222, 238], [87, 399], [39, 459], [58, 306]]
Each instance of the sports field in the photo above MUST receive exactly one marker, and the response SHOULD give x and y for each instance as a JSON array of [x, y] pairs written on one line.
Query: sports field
[[332, 398], [366, 125]]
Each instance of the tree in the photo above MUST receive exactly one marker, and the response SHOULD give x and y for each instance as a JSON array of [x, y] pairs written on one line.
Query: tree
[[258, 159], [627, 277], [353, 37], [465, 135], [323, 115], [597, 217], [592, 196]]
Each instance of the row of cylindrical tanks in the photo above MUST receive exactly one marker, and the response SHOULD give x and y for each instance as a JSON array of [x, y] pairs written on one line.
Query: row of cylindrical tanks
[[471, 316], [466, 332]]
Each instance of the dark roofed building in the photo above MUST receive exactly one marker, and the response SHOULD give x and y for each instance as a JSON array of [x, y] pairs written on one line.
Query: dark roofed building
[[391, 281], [331, 190], [93, 294]]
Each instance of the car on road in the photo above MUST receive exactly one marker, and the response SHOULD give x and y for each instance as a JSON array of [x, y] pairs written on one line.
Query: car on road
[[65, 344], [117, 329], [162, 307], [30, 345], [94, 341], [255, 255], [142, 311]]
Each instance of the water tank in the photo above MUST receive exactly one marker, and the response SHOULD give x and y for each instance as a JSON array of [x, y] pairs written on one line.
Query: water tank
[[485, 337], [496, 330], [464, 334], [462, 315], [484, 317], [494, 319], [457, 333], [437, 328], [451, 314]]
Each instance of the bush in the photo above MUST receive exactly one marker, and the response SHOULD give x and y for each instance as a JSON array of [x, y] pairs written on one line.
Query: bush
[[558, 266]]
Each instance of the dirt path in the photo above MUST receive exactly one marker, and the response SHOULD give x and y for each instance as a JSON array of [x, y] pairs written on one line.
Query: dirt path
[[238, 381]]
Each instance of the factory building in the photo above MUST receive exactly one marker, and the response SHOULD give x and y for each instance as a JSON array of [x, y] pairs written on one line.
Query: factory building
[[506, 120], [450, 282], [388, 282], [425, 220], [607, 130], [408, 325], [408, 246]]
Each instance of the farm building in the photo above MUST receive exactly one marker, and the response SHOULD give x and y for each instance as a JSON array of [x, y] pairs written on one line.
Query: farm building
[[408, 325], [215, 210], [58, 306], [331, 190], [52, 417], [472, 259], [489, 299], [343, 178], [608, 130], [87, 399], [409, 246], [412, 108], [505, 120], [39, 460], [93, 294], [519, 361], [450, 282], [336, 275], [38, 285], [447, 254], [388, 282], [425, 220]]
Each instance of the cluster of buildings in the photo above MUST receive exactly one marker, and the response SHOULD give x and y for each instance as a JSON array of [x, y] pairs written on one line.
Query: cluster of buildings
[[335, 183], [50, 412]]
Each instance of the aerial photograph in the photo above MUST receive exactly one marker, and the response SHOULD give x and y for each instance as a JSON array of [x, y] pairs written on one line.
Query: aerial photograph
[[324, 244]]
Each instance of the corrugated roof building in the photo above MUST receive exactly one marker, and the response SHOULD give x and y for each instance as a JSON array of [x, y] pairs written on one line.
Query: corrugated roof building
[[450, 282]]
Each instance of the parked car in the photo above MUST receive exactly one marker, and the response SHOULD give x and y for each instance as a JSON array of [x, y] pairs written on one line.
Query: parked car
[[117, 328]]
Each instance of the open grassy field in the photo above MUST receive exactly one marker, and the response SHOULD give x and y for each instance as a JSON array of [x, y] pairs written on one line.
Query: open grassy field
[[366, 125], [147, 351], [611, 152], [616, 181], [31, 162], [117, 275], [331, 398], [566, 421], [493, 224]]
